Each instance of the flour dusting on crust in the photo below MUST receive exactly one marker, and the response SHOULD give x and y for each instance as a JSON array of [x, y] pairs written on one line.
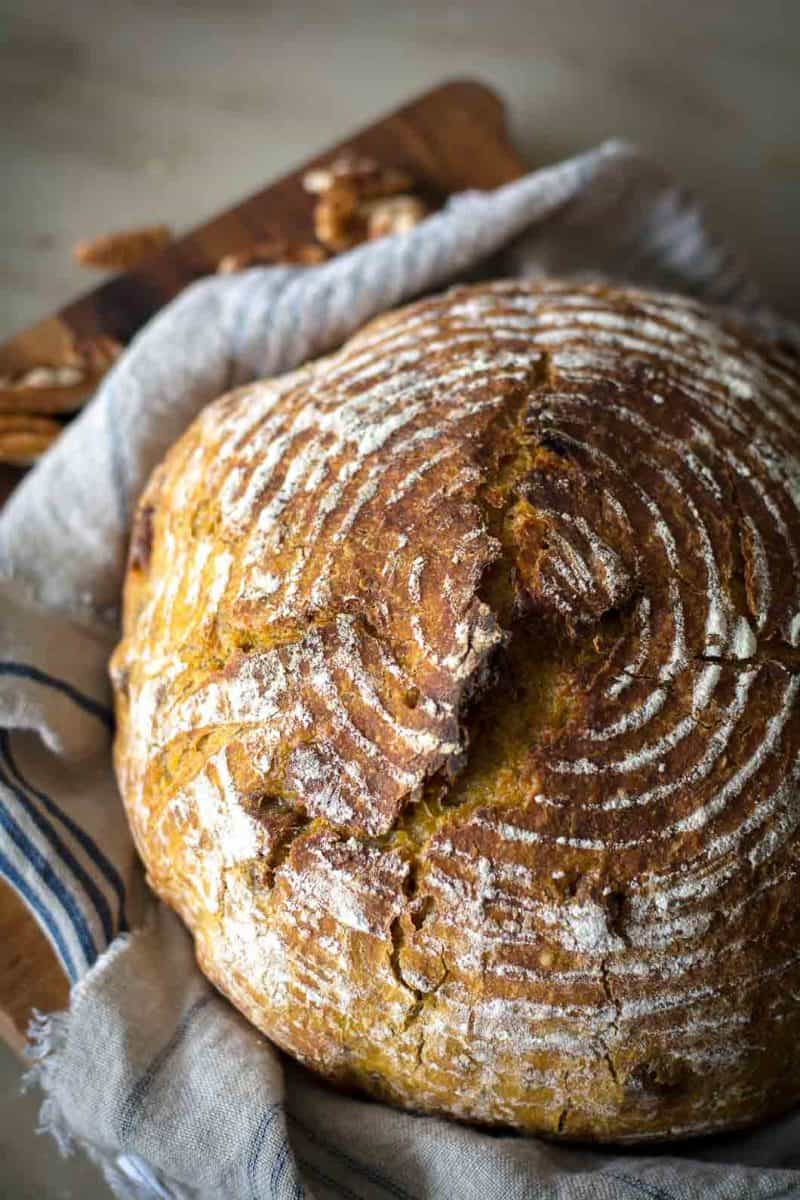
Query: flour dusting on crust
[[458, 710]]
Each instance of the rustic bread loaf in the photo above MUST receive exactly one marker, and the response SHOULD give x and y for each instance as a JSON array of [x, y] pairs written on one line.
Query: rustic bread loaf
[[457, 710]]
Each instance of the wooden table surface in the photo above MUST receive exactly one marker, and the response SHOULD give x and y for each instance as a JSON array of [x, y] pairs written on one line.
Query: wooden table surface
[[116, 114]]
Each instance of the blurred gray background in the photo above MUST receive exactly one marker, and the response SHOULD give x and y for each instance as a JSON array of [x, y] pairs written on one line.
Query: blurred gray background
[[115, 114]]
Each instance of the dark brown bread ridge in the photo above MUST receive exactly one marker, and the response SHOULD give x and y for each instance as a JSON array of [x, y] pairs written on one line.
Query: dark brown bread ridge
[[458, 712]]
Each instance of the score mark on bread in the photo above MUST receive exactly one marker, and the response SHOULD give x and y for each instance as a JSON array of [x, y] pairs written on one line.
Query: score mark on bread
[[460, 710]]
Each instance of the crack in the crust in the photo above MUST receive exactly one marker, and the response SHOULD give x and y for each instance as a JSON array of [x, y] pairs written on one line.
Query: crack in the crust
[[415, 909], [605, 984], [482, 684], [284, 845], [251, 642], [268, 865], [777, 655], [397, 940], [420, 998], [786, 657], [614, 1025], [739, 540], [397, 943], [567, 1106], [615, 916], [498, 492], [612, 1070]]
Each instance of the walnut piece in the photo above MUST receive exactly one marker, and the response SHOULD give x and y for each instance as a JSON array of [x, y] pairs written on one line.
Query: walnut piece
[[368, 178], [396, 214], [360, 199], [338, 221], [123, 249], [24, 437], [95, 354], [271, 251], [60, 387], [49, 377]]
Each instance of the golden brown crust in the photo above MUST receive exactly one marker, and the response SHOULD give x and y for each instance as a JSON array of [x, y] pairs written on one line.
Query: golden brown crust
[[458, 716]]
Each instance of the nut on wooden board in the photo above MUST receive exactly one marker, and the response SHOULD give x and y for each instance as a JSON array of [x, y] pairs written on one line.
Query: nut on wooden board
[[272, 251], [359, 199], [23, 437], [31, 399], [122, 249]]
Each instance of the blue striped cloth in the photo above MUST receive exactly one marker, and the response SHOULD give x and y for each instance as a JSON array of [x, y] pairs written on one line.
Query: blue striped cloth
[[164, 1084]]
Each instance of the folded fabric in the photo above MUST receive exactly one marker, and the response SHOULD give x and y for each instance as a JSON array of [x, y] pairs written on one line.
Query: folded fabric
[[156, 1075]]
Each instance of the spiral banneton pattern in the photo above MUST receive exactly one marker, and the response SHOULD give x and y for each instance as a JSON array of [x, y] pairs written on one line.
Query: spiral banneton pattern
[[458, 710]]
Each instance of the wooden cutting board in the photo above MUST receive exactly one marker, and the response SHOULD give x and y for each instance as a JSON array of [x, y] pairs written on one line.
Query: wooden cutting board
[[451, 138]]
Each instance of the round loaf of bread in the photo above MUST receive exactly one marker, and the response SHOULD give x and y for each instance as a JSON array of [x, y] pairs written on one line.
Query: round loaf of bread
[[458, 710]]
